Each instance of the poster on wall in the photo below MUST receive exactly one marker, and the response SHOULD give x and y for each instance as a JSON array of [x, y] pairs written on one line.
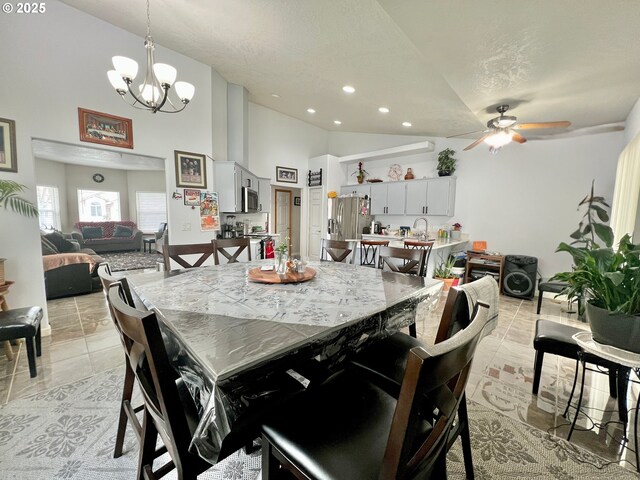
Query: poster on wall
[[209, 215]]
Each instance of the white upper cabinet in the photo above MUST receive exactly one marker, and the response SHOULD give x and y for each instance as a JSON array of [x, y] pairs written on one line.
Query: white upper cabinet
[[264, 195], [433, 196], [363, 189], [388, 198]]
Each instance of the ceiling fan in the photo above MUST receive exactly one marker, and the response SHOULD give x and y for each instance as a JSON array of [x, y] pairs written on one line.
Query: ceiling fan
[[501, 130]]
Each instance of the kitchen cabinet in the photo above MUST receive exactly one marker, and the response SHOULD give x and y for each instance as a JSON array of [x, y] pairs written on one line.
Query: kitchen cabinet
[[229, 180], [360, 189], [264, 195], [432, 196], [388, 198]]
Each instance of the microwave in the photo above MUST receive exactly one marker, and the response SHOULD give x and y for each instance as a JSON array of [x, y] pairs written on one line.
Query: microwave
[[250, 203]]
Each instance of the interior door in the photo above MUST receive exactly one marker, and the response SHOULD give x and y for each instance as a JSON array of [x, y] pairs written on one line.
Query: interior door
[[283, 214], [316, 223]]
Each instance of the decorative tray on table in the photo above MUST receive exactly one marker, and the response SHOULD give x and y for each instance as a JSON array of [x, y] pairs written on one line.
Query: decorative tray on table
[[270, 276]]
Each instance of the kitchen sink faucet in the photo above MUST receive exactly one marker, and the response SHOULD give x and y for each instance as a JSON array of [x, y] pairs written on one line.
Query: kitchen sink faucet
[[426, 227]]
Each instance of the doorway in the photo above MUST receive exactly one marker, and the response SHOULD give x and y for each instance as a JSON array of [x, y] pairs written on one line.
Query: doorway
[[315, 223], [286, 219]]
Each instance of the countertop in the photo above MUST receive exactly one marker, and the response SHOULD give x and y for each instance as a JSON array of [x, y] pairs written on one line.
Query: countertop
[[399, 241]]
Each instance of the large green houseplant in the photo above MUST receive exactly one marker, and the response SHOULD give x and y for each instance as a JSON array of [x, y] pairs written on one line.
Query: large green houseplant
[[607, 278]]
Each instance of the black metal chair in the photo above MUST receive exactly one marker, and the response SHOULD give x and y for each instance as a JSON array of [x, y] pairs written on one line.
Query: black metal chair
[[369, 251], [349, 427]]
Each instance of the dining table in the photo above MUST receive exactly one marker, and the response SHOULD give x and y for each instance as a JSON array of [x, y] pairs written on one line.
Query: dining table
[[225, 332]]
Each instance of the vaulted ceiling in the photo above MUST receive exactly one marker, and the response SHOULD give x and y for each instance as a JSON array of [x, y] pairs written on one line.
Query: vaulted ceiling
[[443, 65]]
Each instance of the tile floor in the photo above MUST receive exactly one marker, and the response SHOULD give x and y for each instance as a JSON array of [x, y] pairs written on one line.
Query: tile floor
[[84, 342]]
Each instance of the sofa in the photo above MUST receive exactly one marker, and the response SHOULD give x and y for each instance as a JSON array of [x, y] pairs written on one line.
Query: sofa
[[109, 236], [68, 269]]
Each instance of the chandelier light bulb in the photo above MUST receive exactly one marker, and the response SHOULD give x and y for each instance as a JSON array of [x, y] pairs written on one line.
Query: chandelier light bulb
[[117, 82], [185, 91], [498, 139], [165, 74], [150, 93], [126, 67]]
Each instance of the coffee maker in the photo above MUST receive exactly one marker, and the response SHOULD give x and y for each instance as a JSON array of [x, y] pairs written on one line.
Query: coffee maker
[[229, 227]]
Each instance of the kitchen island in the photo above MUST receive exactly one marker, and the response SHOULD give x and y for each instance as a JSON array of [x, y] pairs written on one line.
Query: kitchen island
[[440, 251]]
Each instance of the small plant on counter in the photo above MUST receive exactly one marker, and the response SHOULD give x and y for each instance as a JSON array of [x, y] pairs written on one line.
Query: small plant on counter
[[445, 269], [456, 226]]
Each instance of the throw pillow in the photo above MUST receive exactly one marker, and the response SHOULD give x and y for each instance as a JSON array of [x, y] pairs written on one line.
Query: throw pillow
[[122, 231], [57, 239], [91, 232], [48, 248]]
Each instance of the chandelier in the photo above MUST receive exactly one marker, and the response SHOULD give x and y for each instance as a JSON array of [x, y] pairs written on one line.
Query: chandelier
[[153, 93]]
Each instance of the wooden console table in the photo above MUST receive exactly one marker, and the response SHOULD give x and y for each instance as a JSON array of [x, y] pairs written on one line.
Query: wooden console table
[[4, 289]]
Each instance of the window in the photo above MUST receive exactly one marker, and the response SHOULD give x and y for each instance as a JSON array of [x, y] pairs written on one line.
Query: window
[[151, 210], [97, 206], [48, 207]]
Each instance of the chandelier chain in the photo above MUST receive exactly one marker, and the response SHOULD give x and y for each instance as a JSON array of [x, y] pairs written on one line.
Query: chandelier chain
[[148, 20]]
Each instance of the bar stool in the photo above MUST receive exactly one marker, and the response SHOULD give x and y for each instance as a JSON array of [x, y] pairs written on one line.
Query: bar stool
[[416, 244], [369, 251]]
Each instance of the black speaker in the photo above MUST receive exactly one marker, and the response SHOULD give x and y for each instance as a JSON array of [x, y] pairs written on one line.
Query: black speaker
[[519, 278]]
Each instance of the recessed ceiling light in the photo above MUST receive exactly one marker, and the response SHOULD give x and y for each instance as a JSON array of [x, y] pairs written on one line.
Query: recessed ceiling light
[[348, 89], [275, 95], [311, 110], [383, 110], [337, 122], [406, 124]]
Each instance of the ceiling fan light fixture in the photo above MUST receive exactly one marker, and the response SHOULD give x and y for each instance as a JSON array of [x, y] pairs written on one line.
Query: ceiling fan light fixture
[[498, 139]]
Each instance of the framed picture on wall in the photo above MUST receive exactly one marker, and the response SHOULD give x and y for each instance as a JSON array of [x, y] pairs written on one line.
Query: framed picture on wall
[[8, 157], [287, 175], [96, 127], [191, 197], [191, 170]]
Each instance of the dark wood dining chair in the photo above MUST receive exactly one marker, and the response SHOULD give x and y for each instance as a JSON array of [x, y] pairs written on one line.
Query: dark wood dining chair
[[426, 246], [337, 250], [127, 411], [384, 363], [230, 249], [178, 252], [411, 260], [349, 427], [169, 409]]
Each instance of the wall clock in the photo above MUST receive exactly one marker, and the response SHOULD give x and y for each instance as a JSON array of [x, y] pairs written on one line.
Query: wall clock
[[98, 178], [395, 172]]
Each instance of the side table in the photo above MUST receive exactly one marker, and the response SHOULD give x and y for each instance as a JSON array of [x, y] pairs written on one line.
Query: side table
[[4, 289], [623, 358]]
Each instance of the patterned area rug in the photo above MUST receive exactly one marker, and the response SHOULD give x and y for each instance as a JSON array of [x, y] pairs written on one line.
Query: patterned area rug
[[119, 261], [69, 431]]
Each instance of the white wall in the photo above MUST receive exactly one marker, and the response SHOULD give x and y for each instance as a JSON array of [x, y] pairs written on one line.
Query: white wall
[[55, 63], [522, 200]]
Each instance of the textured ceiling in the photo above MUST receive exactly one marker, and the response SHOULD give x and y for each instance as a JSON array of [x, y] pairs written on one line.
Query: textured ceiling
[[443, 65]]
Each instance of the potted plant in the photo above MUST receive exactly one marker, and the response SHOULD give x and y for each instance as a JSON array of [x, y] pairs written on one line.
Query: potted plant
[[9, 199], [446, 162], [281, 256], [444, 272], [607, 278], [360, 173], [457, 228]]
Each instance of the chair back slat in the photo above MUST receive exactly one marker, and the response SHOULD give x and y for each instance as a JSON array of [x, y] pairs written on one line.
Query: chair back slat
[[439, 375], [426, 246], [221, 246], [412, 260], [176, 253], [338, 250]]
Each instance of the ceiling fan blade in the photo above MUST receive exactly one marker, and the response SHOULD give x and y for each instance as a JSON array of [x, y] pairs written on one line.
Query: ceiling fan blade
[[529, 126], [468, 133], [516, 137], [477, 142]]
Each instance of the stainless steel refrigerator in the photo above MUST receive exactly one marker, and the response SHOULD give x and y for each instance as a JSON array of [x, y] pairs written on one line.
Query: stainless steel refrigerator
[[348, 215]]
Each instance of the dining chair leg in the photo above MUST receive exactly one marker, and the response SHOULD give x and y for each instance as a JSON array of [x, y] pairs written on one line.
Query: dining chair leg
[[465, 438], [147, 445], [270, 465], [127, 392]]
